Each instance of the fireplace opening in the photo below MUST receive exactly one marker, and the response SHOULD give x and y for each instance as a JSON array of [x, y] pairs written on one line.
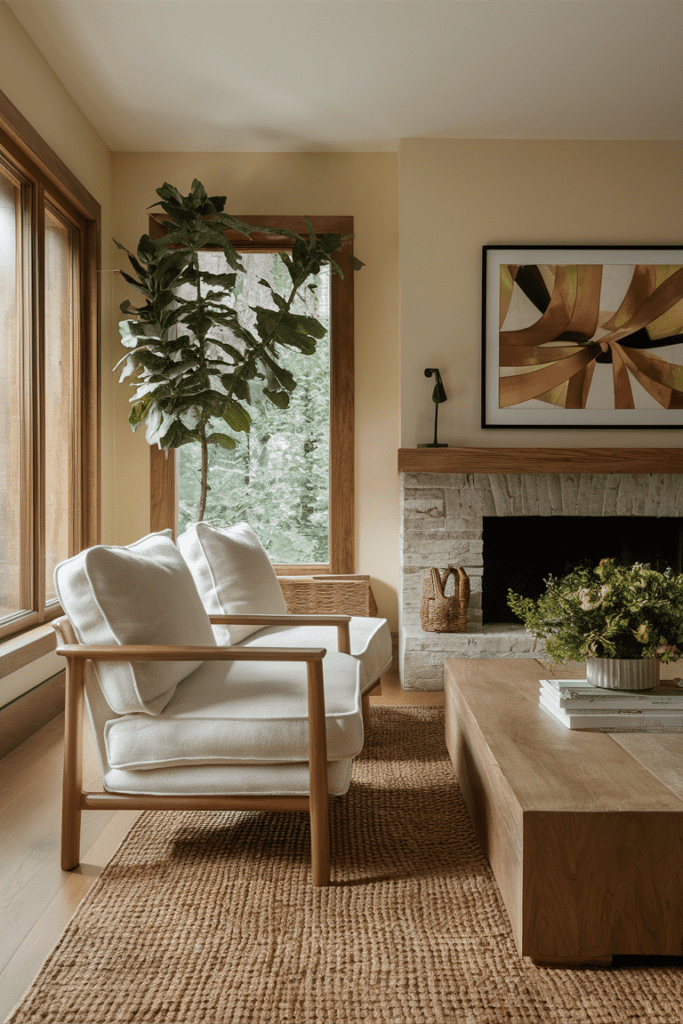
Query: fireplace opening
[[520, 552]]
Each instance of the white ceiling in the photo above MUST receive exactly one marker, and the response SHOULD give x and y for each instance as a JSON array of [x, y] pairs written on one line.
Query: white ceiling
[[193, 75]]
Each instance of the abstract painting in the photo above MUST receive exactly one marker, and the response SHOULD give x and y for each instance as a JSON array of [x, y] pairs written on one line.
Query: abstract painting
[[583, 337]]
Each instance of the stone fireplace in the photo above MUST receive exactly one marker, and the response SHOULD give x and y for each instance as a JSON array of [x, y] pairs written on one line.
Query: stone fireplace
[[442, 523]]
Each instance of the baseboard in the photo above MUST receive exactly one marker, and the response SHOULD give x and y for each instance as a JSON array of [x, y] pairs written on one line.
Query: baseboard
[[30, 712]]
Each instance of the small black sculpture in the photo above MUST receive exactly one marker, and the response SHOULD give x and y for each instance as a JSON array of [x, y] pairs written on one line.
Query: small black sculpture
[[438, 396]]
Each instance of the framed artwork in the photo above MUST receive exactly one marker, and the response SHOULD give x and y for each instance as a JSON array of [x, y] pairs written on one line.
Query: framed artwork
[[582, 336]]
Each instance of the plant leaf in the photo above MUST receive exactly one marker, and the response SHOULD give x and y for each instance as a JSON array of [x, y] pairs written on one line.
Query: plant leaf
[[235, 416], [278, 398], [224, 440]]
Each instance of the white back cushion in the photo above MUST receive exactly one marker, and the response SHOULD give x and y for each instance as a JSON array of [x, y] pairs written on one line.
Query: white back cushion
[[140, 594], [233, 574]]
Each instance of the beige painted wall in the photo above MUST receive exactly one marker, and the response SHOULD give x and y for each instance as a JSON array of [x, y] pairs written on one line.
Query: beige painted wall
[[32, 86], [446, 198], [457, 195], [363, 185]]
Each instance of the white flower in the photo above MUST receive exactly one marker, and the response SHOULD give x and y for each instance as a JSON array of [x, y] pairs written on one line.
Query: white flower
[[642, 634], [586, 604]]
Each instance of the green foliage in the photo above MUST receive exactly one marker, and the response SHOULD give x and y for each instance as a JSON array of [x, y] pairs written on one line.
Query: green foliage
[[610, 611], [190, 355]]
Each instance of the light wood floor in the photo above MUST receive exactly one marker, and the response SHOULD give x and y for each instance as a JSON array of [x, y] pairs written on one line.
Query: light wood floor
[[37, 898]]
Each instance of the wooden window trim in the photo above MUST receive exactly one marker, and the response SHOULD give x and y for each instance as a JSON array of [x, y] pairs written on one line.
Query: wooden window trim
[[50, 179], [163, 465]]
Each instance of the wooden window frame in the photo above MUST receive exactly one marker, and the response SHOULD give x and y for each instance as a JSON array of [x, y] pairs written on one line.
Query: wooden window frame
[[163, 465], [49, 180]]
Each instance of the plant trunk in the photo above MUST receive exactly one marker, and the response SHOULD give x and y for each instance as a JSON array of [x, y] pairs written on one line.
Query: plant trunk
[[204, 489]]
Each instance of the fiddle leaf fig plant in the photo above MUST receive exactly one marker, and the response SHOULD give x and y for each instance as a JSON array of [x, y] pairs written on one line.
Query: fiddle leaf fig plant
[[189, 354]]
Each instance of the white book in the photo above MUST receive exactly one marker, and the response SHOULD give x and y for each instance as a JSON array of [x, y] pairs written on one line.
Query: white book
[[578, 693], [639, 721], [609, 709]]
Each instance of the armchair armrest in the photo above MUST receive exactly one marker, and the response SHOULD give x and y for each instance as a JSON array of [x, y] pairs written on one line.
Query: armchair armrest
[[279, 620], [340, 621], [157, 652]]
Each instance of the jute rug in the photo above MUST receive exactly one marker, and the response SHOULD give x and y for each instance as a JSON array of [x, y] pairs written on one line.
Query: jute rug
[[209, 918]]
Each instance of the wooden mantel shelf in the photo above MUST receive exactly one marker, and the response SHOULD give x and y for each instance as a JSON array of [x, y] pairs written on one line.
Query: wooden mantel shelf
[[540, 460]]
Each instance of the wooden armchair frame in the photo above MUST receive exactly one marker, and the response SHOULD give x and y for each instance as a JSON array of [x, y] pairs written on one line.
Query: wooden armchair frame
[[75, 800]]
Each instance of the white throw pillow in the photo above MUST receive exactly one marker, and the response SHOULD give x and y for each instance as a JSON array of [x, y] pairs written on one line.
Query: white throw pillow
[[233, 574], [140, 594]]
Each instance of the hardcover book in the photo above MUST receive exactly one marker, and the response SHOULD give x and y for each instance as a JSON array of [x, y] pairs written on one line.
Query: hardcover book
[[577, 693], [648, 720]]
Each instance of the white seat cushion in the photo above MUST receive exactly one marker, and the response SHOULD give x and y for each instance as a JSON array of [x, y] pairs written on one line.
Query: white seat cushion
[[242, 712], [370, 642], [233, 574], [227, 780], [140, 594]]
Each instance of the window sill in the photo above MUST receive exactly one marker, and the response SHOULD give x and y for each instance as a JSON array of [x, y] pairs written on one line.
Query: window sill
[[21, 650]]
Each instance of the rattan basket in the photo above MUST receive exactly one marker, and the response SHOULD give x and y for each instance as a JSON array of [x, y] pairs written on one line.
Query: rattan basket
[[441, 614], [329, 595]]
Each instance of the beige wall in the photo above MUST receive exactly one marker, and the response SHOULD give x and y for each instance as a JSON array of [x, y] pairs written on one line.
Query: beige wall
[[446, 199], [363, 185], [457, 195], [30, 83]]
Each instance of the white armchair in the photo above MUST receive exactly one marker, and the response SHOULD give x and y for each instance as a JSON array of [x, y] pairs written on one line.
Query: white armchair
[[181, 723]]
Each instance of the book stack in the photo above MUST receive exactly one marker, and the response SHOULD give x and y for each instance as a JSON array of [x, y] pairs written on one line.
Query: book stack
[[580, 706]]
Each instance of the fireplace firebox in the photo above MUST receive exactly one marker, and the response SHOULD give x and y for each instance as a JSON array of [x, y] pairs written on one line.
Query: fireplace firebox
[[520, 552]]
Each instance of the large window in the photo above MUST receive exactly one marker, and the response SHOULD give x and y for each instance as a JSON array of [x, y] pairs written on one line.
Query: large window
[[48, 371], [291, 477], [277, 478]]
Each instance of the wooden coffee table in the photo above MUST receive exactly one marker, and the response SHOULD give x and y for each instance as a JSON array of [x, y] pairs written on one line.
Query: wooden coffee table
[[583, 830]]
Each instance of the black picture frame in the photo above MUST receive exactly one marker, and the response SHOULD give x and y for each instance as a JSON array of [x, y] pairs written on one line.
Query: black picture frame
[[558, 299]]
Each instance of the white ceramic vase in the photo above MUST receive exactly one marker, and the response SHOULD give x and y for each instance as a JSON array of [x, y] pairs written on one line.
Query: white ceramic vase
[[623, 673]]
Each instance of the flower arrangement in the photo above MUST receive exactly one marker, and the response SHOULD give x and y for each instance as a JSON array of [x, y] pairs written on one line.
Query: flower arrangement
[[609, 611]]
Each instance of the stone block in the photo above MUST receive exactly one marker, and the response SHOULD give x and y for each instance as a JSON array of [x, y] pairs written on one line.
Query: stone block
[[611, 496], [530, 497], [545, 507], [656, 488], [554, 481], [583, 494], [596, 499], [570, 489], [672, 497], [488, 499], [462, 502], [514, 488], [441, 551], [626, 494], [502, 499]]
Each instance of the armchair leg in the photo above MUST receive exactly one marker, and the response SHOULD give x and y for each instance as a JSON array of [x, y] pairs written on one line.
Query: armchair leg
[[318, 796], [320, 842], [73, 766], [71, 834], [365, 703]]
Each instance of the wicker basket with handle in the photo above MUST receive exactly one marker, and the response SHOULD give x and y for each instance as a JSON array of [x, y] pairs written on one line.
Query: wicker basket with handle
[[350, 594], [441, 614]]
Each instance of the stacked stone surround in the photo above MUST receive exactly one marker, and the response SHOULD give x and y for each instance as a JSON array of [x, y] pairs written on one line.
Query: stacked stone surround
[[442, 523]]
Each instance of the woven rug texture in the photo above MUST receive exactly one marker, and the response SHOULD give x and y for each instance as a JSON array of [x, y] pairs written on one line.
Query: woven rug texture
[[210, 918]]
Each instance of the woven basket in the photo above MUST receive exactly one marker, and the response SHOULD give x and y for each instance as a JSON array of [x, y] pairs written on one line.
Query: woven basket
[[441, 614], [329, 595]]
